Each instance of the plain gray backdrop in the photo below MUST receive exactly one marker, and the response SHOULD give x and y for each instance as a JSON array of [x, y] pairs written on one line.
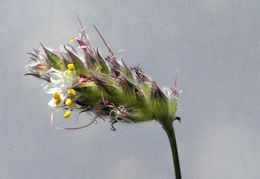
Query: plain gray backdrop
[[214, 43]]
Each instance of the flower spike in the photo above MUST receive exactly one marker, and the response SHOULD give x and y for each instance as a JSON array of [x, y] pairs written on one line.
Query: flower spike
[[106, 87], [80, 80]]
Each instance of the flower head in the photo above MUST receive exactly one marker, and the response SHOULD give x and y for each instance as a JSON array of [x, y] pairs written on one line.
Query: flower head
[[80, 79]]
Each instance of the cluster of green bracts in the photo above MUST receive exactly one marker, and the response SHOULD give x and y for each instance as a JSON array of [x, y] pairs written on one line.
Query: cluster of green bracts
[[80, 79]]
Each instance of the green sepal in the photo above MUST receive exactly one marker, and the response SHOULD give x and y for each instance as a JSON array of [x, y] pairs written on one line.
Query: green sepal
[[126, 71], [53, 58], [88, 93], [172, 108], [104, 66], [159, 103], [79, 66]]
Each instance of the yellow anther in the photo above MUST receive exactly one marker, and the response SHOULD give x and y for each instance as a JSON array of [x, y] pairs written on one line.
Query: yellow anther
[[56, 95], [57, 101], [68, 102], [67, 114], [71, 67], [71, 92], [72, 40]]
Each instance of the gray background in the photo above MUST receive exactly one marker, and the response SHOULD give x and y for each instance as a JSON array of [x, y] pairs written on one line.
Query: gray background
[[214, 43]]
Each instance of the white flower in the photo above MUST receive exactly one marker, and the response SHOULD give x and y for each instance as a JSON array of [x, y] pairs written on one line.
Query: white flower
[[60, 82]]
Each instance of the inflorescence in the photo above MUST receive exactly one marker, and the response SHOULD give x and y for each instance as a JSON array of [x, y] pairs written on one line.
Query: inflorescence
[[81, 80]]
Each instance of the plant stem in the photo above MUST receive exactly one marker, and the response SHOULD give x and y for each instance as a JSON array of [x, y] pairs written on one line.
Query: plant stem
[[168, 128]]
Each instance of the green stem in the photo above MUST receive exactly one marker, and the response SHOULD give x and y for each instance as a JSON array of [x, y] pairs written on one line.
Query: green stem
[[168, 128]]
